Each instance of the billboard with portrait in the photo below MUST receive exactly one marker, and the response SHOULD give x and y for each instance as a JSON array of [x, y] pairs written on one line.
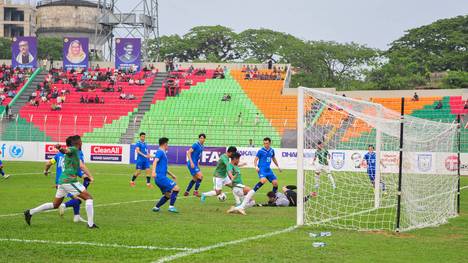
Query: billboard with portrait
[[128, 53], [75, 52], [24, 52]]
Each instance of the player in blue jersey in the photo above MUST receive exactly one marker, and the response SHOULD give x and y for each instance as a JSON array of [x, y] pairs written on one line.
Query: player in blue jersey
[[4, 176], [75, 202], [142, 162], [194, 155], [370, 160], [168, 187], [262, 164]]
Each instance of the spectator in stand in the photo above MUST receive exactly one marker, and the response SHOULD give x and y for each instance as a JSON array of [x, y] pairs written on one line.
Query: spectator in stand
[[102, 100], [82, 99], [239, 117], [251, 144], [257, 118], [255, 69], [244, 68], [44, 99], [131, 82], [2, 98], [438, 106], [130, 96], [415, 97], [270, 64], [466, 105], [96, 99], [59, 100], [122, 96]]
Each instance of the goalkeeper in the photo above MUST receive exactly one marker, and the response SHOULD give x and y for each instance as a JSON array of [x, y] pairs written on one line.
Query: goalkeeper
[[287, 198]]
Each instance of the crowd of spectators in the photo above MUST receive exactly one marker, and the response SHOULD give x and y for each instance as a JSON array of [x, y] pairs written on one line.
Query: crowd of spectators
[[252, 73], [10, 80]]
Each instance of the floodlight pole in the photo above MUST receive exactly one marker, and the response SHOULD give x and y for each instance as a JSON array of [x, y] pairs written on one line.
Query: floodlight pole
[[300, 157], [400, 165]]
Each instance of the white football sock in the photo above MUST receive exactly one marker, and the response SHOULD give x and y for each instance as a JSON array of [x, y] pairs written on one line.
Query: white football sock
[[317, 181], [210, 193], [332, 181], [90, 212], [43, 207], [247, 199]]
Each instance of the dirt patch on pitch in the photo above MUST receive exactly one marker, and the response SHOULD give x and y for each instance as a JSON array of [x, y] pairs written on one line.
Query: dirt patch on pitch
[[390, 234]]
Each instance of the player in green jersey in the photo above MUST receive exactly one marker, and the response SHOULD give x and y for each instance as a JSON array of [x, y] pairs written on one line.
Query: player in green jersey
[[221, 177], [239, 190], [68, 183], [323, 157]]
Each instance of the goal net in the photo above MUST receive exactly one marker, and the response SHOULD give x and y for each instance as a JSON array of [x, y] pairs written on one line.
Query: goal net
[[356, 185]]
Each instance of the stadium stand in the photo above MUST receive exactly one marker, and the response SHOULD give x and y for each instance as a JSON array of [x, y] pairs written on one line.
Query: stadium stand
[[218, 107], [57, 123], [11, 81]]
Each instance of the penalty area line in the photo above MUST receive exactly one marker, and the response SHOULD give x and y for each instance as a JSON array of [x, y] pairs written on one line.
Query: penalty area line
[[222, 244], [52, 242]]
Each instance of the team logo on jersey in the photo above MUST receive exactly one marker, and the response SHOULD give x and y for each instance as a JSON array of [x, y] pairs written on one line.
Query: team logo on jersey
[[16, 151], [338, 160], [424, 162]]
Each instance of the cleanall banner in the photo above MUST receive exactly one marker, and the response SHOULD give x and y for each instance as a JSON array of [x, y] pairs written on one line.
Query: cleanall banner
[[75, 52], [24, 52], [128, 53], [178, 154], [106, 153]]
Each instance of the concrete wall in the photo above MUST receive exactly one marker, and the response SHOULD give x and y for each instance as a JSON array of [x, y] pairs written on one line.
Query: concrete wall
[[28, 23], [71, 17]]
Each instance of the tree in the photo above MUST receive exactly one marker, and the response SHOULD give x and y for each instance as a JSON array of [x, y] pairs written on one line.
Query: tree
[[5, 48], [215, 42], [50, 48], [261, 45]]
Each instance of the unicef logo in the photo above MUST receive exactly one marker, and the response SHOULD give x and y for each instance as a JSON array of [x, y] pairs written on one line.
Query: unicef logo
[[16, 151]]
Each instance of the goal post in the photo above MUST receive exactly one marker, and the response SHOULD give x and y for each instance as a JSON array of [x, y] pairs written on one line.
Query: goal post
[[365, 183]]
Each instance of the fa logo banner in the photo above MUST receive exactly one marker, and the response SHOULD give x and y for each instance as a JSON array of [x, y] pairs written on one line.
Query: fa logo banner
[[424, 162], [338, 160]]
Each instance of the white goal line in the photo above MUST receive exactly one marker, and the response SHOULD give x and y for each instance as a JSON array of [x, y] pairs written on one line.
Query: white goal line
[[92, 244]]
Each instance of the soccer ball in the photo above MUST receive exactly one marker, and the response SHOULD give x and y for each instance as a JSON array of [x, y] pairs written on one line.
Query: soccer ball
[[222, 197]]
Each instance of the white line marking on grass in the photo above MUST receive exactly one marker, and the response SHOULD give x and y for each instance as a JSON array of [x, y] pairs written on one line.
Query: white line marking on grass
[[102, 205], [222, 244], [92, 244]]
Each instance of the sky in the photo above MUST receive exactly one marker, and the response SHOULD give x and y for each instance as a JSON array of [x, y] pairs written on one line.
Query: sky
[[375, 23]]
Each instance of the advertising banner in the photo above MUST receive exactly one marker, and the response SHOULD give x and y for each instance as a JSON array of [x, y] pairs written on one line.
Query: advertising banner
[[128, 53], [75, 52], [24, 52], [178, 154]]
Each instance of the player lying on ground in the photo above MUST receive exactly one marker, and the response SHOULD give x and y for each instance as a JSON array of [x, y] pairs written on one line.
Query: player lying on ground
[[323, 157], [221, 177], [287, 198], [194, 155], [75, 202], [5, 176], [370, 161], [168, 187], [239, 190], [262, 163], [68, 184], [142, 163]]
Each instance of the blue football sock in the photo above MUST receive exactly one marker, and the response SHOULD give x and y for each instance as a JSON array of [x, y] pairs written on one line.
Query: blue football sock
[[148, 179], [173, 197], [197, 184], [86, 182], [275, 189], [75, 203], [190, 185], [258, 186], [1, 172], [162, 201]]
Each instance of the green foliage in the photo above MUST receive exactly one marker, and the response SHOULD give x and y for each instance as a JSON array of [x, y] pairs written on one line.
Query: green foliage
[[50, 48], [456, 80], [5, 48]]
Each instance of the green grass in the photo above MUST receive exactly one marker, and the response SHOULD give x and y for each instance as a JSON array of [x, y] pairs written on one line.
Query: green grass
[[197, 225]]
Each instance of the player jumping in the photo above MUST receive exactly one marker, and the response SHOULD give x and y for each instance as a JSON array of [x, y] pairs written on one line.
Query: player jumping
[[323, 157], [68, 184], [370, 160], [142, 163], [168, 187], [221, 177], [4, 176], [194, 156]]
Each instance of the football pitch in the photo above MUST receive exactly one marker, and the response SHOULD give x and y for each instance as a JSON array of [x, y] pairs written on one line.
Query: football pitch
[[130, 232]]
